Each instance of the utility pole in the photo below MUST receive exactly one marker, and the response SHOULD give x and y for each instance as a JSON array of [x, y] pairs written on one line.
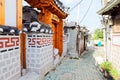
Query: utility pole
[[78, 14]]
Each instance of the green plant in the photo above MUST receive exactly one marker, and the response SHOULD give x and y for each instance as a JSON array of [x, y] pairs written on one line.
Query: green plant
[[114, 73], [74, 58], [107, 66], [98, 34]]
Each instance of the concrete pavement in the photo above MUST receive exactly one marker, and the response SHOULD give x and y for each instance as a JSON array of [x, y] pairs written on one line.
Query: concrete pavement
[[74, 69]]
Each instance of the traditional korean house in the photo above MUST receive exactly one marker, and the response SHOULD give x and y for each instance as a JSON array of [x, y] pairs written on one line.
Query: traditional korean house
[[111, 25], [40, 28], [52, 13]]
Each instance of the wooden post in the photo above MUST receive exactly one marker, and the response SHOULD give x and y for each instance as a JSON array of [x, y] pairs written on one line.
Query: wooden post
[[60, 36], [22, 36], [2, 12]]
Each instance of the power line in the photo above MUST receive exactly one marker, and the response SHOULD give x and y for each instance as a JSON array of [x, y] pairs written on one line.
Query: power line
[[87, 11], [75, 6]]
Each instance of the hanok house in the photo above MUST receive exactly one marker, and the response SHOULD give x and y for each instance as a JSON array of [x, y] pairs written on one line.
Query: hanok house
[[52, 13], [111, 22], [47, 21], [32, 50], [10, 22], [77, 38]]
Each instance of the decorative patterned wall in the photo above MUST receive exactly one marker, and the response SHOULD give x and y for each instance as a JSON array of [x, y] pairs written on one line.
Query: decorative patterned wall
[[39, 53], [9, 57]]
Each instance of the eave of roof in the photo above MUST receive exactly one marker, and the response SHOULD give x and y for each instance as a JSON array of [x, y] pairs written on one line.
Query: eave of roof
[[55, 6], [108, 7]]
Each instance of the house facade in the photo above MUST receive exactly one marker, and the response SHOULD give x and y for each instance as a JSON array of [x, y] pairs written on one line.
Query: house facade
[[77, 38], [111, 25]]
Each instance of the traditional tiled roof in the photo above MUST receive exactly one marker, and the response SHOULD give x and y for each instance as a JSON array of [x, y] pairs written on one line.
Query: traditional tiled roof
[[32, 24], [108, 7], [55, 6], [38, 27], [43, 28], [29, 14], [60, 5], [10, 30]]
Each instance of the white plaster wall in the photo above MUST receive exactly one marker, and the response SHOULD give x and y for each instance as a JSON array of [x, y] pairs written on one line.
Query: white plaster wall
[[115, 51], [72, 40], [10, 12]]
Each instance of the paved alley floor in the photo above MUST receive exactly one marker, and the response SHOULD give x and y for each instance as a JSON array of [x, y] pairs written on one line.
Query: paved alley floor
[[77, 69]]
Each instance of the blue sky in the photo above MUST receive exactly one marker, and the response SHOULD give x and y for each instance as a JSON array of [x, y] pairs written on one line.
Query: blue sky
[[92, 20]]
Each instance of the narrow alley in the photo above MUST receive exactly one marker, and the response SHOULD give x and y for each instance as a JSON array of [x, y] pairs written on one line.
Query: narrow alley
[[82, 68], [59, 39]]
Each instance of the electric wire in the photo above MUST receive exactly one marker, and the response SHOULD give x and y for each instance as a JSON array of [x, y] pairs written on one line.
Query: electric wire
[[75, 6], [86, 11]]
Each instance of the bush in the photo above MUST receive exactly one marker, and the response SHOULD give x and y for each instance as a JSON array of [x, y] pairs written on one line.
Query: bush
[[107, 66], [115, 74]]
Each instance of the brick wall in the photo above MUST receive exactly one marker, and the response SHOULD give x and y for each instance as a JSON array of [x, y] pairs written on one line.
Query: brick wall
[[9, 57], [39, 53]]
